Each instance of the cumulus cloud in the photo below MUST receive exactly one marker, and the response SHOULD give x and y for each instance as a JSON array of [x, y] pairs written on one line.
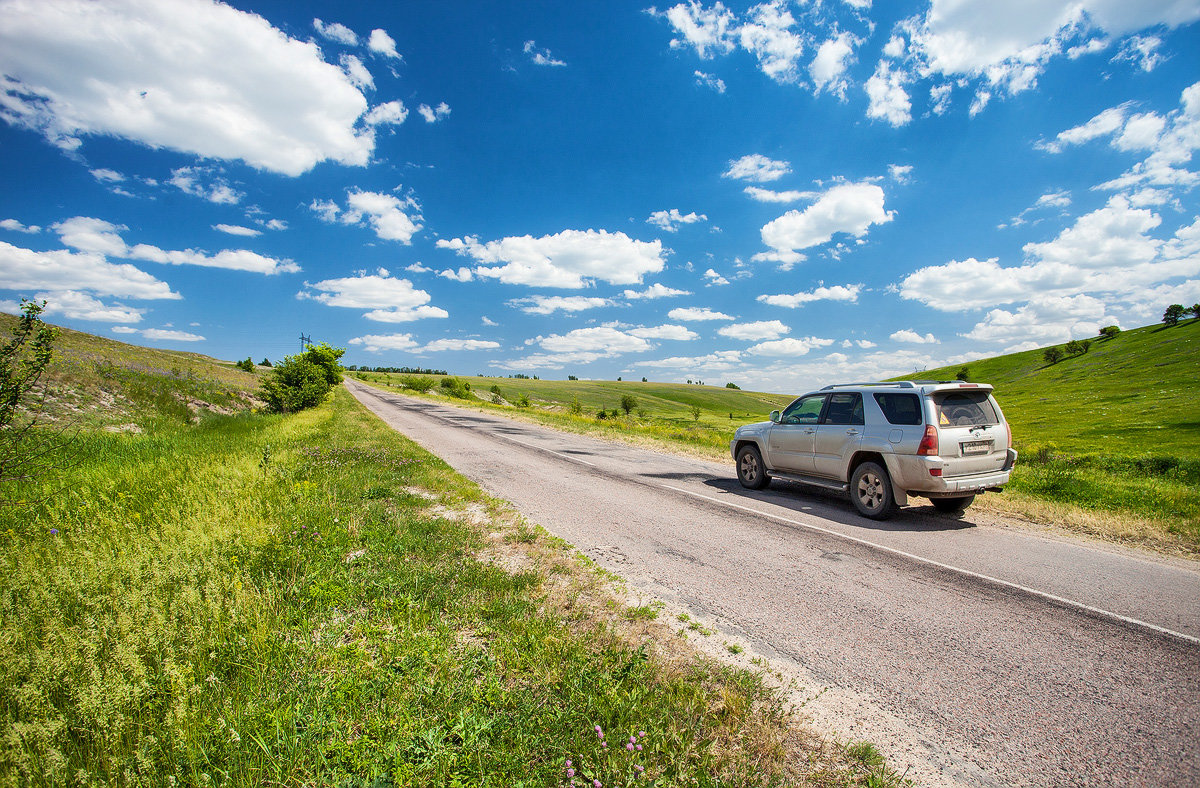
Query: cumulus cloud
[[913, 338], [383, 44], [171, 335], [204, 183], [548, 305], [375, 343], [768, 32], [459, 345], [889, 101], [188, 75], [390, 113], [237, 229], [830, 64], [580, 346], [387, 299], [697, 314], [336, 32], [794, 300], [665, 331], [81, 306], [848, 208], [714, 278], [789, 347], [757, 168], [672, 219], [756, 331], [15, 226], [1043, 321], [434, 114], [463, 274], [767, 195], [710, 81], [391, 217], [655, 290], [569, 259]]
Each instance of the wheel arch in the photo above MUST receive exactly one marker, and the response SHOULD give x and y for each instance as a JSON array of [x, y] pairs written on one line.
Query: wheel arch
[[888, 461]]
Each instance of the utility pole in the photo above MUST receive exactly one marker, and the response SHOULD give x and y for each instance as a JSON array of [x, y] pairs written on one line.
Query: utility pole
[[304, 341]]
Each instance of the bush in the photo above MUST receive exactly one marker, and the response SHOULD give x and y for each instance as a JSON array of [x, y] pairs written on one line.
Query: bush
[[457, 388], [733, 386], [523, 401], [294, 385], [1108, 332], [963, 374], [24, 451], [628, 403], [420, 384], [1052, 355], [576, 407], [246, 365]]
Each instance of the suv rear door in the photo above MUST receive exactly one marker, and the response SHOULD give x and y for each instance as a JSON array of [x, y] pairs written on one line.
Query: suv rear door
[[972, 437], [838, 434]]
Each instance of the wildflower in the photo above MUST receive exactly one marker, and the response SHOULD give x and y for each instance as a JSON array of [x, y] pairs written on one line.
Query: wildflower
[[54, 532], [596, 783], [629, 747]]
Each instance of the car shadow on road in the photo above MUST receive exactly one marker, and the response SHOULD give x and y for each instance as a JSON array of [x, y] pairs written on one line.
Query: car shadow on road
[[802, 498]]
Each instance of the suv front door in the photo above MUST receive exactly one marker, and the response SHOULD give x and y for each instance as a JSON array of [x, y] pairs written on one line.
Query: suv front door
[[838, 434], [790, 442]]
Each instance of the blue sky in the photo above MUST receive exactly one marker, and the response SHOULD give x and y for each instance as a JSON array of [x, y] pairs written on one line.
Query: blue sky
[[781, 194]]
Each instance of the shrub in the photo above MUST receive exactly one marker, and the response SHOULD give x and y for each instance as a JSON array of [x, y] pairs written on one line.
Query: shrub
[[695, 413], [963, 374], [294, 385], [418, 383], [24, 452], [1108, 332], [1052, 355], [326, 358], [576, 407], [457, 388], [523, 401], [246, 365], [1078, 347], [628, 403], [733, 386], [266, 362]]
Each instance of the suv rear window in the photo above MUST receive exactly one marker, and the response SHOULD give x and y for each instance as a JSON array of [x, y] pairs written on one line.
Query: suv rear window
[[900, 408], [964, 408]]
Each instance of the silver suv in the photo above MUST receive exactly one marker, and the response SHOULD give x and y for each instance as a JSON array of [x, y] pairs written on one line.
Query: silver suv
[[884, 442]]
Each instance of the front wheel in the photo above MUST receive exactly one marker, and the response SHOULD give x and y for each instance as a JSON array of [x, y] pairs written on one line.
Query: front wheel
[[871, 491], [952, 505], [750, 469]]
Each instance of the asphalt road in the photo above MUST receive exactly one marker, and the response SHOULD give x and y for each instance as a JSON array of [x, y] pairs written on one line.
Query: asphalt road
[[987, 655]]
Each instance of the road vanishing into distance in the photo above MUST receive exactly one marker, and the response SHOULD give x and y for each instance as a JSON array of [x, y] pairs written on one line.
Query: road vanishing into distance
[[970, 653]]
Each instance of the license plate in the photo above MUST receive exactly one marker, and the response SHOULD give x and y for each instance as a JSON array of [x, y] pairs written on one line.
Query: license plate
[[975, 448]]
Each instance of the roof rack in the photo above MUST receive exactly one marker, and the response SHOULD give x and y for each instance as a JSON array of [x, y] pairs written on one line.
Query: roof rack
[[902, 384]]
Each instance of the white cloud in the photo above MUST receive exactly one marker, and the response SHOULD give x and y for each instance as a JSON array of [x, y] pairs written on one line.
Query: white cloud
[[670, 220], [710, 81], [217, 190], [392, 218], [357, 72], [380, 42], [714, 278], [666, 331], [80, 306], [166, 335], [463, 274], [835, 293], [389, 300], [655, 290], [105, 175], [417, 268], [548, 305], [696, 314], [1143, 51], [756, 331], [237, 229], [434, 114], [374, 343], [889, 100], [757, 168], [788, 347], [900, 173], [541, 57], [767, 33], [767, 195], [1044, 321], [459, 345], [850, 208], [63, 270], [568, 259], [831, 62], [336, 32], [581, 346], [124, 330], [709, 31], [913, 338], [1102, 125], [17, 227], [390, 113], [188, 75]]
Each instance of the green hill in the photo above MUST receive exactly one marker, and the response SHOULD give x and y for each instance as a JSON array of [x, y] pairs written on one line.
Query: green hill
[[1134, 394]]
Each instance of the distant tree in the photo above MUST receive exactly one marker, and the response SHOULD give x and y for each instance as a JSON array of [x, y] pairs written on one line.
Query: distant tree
[[1173, 314], [644, 379], [572, 377], [618, 378], [266, 362], [1108, 332], [246, 365], [1052, 355], [695, 413], [628, 403], [963, 374], [733, 386], [1194, 310], [602, 414]]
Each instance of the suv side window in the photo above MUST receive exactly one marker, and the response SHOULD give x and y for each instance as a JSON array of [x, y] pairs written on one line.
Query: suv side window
[[803, 411], [844, 409], [900, 408]]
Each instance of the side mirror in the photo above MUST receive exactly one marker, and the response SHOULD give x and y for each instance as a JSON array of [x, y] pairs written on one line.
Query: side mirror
[[774, 417]]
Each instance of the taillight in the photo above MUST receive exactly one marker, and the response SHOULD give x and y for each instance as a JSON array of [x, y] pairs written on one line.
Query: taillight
[[929, 442], [1008, 427]]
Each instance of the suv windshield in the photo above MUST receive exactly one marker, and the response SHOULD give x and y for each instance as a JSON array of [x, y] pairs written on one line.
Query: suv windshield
[[964, 408]]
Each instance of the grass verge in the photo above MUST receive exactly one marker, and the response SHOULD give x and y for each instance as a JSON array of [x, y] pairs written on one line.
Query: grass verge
[[314, 600]]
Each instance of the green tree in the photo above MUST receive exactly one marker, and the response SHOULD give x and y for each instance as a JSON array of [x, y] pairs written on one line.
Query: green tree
[[266, 362], [25, 451], [295, 384], [1052, 355], [963, 374], [628, 403], [1077, 347], [1173, 314], [1108, 332], [1194, 310], [246, 365], [695, 413], [326, 358], [733, 386]]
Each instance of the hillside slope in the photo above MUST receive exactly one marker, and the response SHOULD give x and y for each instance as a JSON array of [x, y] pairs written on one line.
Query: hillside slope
[[1135, 394]]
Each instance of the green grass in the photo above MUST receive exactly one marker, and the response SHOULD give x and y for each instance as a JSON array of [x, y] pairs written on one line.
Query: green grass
[[306, 600]]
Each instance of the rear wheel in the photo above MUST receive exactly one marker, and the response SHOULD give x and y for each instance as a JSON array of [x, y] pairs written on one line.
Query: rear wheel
[[871, 491], [952, 505], [750, 469]]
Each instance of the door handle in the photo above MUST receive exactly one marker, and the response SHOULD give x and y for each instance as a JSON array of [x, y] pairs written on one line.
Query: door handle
[[851, 431]]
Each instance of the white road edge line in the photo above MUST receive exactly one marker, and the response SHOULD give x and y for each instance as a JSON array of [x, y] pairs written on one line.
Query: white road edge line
[[920, 559]]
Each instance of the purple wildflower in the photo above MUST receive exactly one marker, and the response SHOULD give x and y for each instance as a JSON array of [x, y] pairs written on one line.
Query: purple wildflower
[[54, 532]]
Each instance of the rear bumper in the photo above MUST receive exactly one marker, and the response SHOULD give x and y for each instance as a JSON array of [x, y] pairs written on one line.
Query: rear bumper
[[918, 481]]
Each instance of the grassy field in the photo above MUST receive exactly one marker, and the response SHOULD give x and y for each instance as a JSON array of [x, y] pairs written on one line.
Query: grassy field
[[254, 600], [1109, 440]]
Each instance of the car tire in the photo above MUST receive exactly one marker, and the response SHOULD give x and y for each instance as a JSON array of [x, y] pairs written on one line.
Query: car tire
[[751, 471], [952, 505], [871, 491]]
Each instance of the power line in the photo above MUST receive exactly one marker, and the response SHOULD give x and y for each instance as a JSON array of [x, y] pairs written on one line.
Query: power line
[[304, 341]]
